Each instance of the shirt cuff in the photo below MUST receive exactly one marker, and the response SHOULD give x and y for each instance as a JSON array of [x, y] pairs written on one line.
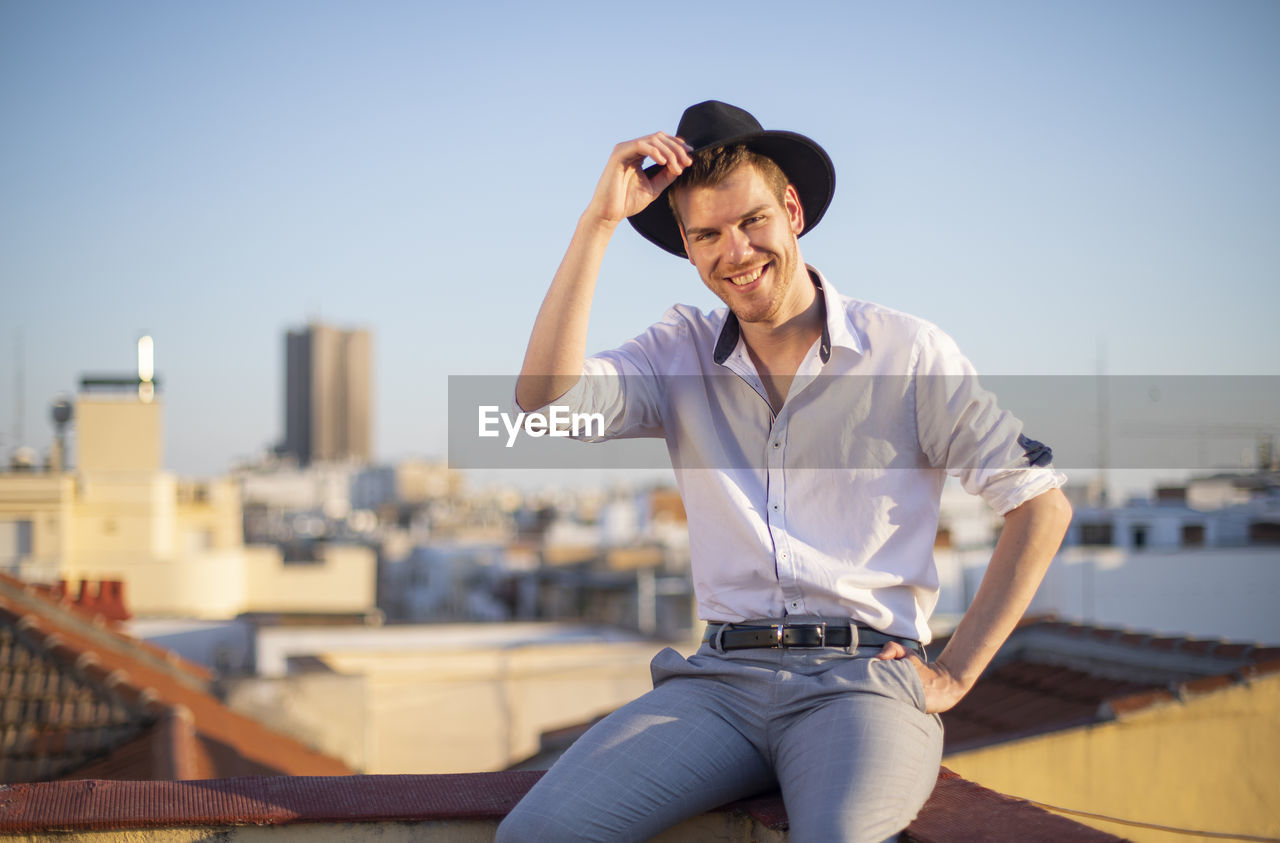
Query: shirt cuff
[[1014, 488]]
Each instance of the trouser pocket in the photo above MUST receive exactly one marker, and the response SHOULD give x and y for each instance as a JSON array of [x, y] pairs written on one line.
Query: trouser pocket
[[897, 679], [668, 664]]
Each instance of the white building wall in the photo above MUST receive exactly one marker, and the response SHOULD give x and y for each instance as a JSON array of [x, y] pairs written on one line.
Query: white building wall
[[1201, 592]]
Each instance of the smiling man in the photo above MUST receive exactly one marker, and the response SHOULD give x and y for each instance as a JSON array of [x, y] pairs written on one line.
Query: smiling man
[[810, 435]]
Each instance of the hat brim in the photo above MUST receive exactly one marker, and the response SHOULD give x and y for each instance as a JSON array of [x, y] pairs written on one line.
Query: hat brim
[[805, 164]]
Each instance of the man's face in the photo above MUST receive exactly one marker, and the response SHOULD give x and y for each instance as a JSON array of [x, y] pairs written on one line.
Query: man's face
[[743, 243]]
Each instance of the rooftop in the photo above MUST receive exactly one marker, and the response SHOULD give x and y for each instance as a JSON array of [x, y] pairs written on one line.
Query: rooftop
[[103, 732], [1052, 675], [81, 700]]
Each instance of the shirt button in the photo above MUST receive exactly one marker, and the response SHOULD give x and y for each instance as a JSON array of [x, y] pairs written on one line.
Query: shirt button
[[777, 444]]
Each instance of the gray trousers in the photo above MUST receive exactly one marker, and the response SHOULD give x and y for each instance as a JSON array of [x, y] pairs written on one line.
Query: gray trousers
[[844, 736]]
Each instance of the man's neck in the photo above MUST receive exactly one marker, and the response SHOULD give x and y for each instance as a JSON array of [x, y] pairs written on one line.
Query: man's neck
[[777, 349], [791, 333]]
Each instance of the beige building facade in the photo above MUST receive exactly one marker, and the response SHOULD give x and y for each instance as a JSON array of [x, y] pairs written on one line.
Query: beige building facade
[[176, 545], [1206, 762]]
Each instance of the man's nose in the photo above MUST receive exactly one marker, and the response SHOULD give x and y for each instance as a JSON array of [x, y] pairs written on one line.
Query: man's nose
[[739, 246]]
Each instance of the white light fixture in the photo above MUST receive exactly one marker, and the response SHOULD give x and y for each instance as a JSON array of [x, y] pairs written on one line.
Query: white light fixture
[[146, 369]]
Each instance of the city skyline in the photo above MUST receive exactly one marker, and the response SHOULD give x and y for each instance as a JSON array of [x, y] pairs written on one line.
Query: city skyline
[[1050, 184]]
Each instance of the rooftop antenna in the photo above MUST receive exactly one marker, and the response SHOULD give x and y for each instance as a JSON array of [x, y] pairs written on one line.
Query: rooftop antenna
[[1104, 421], [19, 388]]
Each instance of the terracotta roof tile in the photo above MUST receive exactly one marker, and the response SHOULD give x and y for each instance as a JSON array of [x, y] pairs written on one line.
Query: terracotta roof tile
[[52, 717], [1200, 645], [124, 761], [76, 691], [1018, 698], [1266, 654], [1118, 706], [1233, 651], [1208, 684], [1163, 644], [1262, 667], [1029, 690], [85, 612], [103, 599]]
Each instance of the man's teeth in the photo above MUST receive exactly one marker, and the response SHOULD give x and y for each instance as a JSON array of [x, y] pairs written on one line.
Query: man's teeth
[[742, 280]]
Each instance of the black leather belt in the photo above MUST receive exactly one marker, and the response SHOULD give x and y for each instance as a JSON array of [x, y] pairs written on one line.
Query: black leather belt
[[728, 636]]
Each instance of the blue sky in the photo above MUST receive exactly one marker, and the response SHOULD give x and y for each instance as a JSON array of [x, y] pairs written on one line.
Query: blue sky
[[1039, 178]]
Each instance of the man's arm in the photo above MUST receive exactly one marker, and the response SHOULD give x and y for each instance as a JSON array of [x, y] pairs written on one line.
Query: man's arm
[[557, 347], [1031, 536]]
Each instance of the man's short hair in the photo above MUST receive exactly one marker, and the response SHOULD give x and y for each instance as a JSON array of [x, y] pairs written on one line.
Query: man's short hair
[[714, 164]]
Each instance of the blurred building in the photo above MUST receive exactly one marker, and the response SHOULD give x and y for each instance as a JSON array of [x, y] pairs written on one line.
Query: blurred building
[[1201, 558], [437, 698], [619, 558], [176, 546], [328, 395]]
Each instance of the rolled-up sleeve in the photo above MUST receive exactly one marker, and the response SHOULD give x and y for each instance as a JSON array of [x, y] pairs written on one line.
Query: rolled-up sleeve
[[962, 429]]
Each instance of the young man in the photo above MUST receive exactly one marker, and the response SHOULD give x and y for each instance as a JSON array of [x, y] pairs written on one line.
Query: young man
[[810, 434]]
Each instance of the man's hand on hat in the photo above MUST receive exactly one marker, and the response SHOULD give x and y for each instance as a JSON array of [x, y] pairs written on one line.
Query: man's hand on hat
[[624, 188], [941, 689]]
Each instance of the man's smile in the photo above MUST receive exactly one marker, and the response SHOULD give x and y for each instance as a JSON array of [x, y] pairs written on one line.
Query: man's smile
[[750, 276]]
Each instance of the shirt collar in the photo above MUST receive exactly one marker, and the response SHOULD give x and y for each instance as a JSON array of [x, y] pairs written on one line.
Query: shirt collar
[[835, 327]]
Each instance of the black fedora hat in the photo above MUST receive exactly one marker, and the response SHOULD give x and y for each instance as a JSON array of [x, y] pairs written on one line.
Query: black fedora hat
[[713, 123]]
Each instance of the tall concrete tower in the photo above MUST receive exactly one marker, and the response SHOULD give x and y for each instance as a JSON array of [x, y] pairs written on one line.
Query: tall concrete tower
[[328, 394]]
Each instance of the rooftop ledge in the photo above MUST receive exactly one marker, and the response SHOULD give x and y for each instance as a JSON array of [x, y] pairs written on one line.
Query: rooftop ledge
[[454, 807]]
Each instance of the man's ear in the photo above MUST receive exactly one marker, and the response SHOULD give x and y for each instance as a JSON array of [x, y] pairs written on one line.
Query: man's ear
[[795, 211]]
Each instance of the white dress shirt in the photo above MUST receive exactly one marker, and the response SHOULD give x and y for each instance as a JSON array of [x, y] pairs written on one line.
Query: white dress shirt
[[829, 507]]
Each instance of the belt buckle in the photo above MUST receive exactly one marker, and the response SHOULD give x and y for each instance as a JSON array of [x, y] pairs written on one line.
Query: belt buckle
[[780, 632]]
